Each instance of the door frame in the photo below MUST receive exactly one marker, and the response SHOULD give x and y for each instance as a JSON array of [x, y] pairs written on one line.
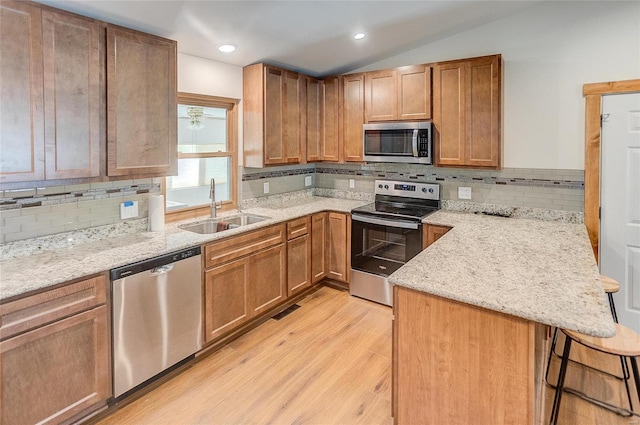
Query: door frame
[[592, 134]]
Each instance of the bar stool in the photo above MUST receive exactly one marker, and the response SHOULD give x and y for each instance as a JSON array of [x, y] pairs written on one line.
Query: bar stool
[[625, 343], [610, 287]]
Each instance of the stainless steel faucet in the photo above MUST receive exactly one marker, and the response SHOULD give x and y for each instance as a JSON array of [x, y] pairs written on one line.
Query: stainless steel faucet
[[212, 196]]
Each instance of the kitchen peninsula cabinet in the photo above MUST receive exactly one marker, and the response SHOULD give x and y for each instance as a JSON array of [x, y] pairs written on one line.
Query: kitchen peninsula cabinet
[[318, 247], [298, 255], [274, 118], [141, 104], [353, 116], [431, 233], [51, 114], [467, 112], [244, 276], [339, 246], [398, 94], [54, 354]]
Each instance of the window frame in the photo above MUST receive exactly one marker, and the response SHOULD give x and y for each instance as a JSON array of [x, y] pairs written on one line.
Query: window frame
[[231, 105]]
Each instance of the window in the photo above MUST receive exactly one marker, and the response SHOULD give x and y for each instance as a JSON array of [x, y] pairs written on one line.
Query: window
[[207, 144]]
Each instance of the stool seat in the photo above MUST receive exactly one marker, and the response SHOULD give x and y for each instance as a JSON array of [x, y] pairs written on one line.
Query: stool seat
[[624, 343], [609, 285]]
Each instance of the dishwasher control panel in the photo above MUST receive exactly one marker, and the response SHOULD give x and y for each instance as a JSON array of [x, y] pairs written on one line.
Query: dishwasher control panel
[[153, 263]]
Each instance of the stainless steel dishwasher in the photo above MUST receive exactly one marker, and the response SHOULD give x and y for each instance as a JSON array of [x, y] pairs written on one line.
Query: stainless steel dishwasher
[[157, 316]]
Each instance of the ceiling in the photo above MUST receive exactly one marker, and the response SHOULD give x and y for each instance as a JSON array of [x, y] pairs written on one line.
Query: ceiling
[[314, 37]]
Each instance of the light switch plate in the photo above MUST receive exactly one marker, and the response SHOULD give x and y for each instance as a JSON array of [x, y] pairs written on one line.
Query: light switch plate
[[352, 184], [307, 181], [464, 193], [128, 209], [266, 187]]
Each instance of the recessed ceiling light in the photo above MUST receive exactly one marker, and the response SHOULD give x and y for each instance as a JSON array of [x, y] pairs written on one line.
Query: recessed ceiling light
[[359, 36], [227, 48]]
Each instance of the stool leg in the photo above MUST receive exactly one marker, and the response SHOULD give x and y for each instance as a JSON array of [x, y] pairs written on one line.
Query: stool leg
[[636, 375], [551, 351], [555, 410], [625, 374], [612, 306]]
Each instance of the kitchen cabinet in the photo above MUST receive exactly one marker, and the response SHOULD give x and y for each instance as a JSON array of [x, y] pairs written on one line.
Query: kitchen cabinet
[[298, 255], [339, 246], [398, 94], [313, 111], [141, 104], [444, 374], [318, 247], [244, 276], [50, 118], [431, 233], [55, 353], [353, 117], [467, 112], [330, 140], [274, 115]]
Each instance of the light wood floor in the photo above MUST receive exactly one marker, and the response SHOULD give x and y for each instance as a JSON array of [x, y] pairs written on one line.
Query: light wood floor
[[329, 362]]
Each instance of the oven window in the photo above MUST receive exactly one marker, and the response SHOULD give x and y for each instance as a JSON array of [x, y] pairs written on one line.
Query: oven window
[[381, 249], [388, 142]]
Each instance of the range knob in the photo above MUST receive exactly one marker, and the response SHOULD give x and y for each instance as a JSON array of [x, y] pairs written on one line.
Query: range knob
[[425, 190], [379, 186], [386, 186]]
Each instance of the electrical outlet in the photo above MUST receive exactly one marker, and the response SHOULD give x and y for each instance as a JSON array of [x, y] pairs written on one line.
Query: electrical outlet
[[307, 181], [464, 193], [128, 209], [266, 187], [352, 184]]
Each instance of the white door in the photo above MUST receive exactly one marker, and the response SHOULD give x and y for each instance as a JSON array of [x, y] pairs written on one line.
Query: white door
[[620, 202]]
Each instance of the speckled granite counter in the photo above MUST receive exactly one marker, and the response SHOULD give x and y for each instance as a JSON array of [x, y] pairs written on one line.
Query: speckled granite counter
[[50, 267], [537, 270]]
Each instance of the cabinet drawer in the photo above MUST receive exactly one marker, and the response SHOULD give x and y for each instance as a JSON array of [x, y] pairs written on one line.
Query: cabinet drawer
[[298, 227], [238, 246], [33, 311]]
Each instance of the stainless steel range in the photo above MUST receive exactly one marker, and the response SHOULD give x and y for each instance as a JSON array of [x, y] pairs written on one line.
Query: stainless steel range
[[387, 234]]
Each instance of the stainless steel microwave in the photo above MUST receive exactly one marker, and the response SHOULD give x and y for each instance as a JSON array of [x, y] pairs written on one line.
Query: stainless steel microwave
[[408, 142]]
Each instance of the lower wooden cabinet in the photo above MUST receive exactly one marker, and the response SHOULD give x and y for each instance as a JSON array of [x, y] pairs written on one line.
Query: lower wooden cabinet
[[54, 372], [339, 246], [318, 247], [298, 255], [431, 233], [248, 277]]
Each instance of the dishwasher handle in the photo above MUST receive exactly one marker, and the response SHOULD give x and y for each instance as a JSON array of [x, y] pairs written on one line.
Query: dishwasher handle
[[161, 270], [154, 264]]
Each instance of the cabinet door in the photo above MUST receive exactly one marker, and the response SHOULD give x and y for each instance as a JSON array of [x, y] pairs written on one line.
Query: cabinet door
[[274, 149], [73, 76], [225, 298], [267, 279], [484, 103], [298, 264], [293, 107], [313, 119], [353, 116], [339, 242], [431, 233], [450, 113], [57, 371], [381, 95], [330, 129], [414, 92], [318, 247], [141, 102], [21, 97]]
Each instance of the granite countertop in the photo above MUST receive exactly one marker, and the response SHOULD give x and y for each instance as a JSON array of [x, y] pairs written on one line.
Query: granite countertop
[[538, 270], [50, 267]]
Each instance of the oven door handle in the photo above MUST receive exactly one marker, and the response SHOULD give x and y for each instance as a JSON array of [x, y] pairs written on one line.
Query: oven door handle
[[383, 222]]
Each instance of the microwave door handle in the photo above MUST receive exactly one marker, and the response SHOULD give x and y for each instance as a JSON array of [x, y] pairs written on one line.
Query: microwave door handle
[[415, 142]]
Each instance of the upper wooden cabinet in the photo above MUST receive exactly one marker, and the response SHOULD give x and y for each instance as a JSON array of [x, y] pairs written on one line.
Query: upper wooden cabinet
[[141, 100], [353, 116], [398, 94], [313, 110], [274, 116], [330, 140], [467, 112], [51, 96]]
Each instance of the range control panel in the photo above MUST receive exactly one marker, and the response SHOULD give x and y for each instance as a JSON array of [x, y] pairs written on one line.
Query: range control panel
[[408, 189]]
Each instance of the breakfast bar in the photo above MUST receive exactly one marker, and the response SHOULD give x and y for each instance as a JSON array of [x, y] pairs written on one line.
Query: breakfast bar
[[485, 296]]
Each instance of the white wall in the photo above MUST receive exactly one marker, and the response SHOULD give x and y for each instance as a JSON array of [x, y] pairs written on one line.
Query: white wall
[[204, 76], [549, 52]]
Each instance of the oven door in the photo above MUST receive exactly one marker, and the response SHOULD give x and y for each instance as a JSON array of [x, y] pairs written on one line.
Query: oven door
[[381, 246]]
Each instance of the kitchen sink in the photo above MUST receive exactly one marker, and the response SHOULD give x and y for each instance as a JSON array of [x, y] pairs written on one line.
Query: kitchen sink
[[220, 224]]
